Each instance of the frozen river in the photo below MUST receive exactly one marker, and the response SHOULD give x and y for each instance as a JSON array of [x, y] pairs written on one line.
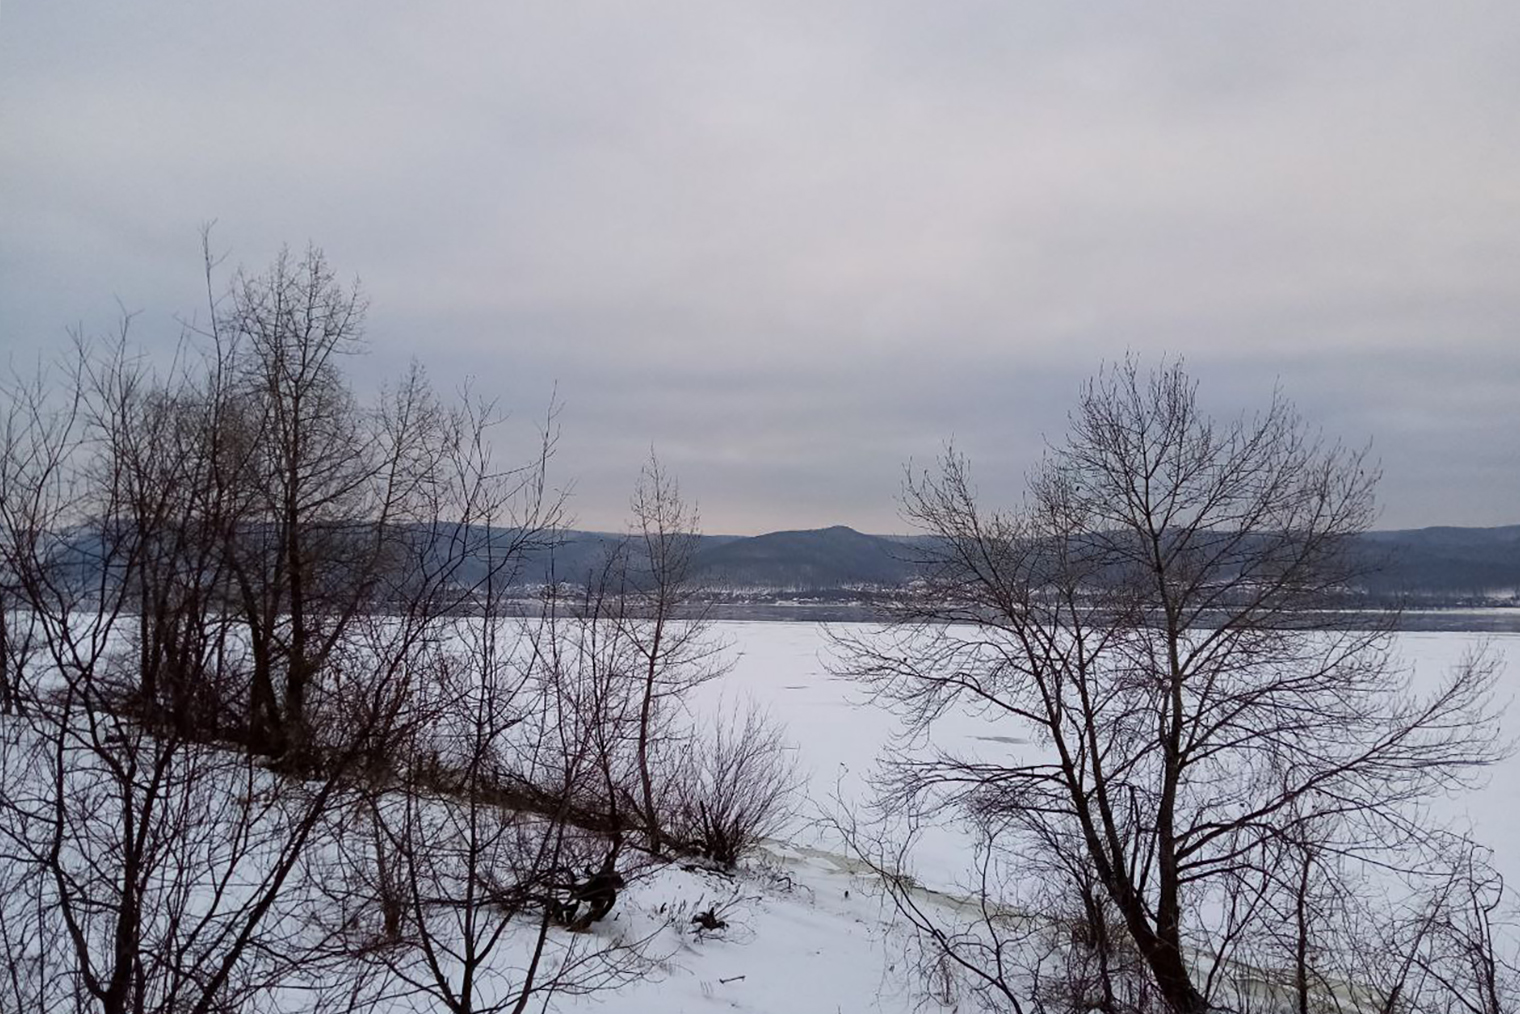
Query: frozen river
[[839, 735]]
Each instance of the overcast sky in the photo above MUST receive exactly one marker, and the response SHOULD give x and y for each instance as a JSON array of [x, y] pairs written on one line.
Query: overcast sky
[[792, 246]]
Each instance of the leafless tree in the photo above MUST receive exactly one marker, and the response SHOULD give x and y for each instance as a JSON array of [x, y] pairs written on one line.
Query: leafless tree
[[171, 568], [37, 437], [630, 646], [147, 864], [319, 482], [667, 626], [1158, 619], [737, 786], [629, 642], [470, 867], [464, 859]]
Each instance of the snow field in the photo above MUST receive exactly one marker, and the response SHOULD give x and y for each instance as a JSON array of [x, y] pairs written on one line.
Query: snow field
[[805, 929]]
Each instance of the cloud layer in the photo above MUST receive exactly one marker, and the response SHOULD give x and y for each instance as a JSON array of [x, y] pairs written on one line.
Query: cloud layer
[[796, 246]]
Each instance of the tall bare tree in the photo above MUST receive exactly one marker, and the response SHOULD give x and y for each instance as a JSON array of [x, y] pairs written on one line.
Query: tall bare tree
[[465, 882], [631, 645], [148, 864], [150, 537], [1158, 620], [463, 855], [666, 623], [316, 479]]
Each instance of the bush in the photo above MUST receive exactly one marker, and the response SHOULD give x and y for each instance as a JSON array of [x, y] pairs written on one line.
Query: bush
[[735, 788]]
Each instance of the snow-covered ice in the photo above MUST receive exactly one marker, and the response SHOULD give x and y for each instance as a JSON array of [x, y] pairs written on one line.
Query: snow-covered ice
[[808, 935], [805, 930]]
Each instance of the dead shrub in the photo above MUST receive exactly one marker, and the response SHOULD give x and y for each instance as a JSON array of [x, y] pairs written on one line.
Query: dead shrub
[[736, 786]]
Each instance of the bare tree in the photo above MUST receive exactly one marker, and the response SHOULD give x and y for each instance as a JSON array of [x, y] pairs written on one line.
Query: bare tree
[[148, 864], [629, 643], [735, 787], [461, 873], [669, 629], [469, 864], [629, 647], [38, 434], [1158, 618], [316, 482], [153, 540], [582, 644]]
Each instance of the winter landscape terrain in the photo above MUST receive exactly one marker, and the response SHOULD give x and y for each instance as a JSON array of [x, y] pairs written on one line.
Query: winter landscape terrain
[[791, 507], [802, 925], [808, 930]]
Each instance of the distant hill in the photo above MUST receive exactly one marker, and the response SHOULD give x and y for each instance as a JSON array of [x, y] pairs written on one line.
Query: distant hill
[[1444, 565], [568, 555], [821, 558], [802, 560], [1428, 566], [1446, 561]]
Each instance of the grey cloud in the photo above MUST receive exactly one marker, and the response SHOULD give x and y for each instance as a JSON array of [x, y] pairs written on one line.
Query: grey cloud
[[795, 245]]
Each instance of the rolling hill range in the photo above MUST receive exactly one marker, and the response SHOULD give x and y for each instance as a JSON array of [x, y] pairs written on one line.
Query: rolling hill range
[[1440, 566], [823, 558], [1445, 563], [820, 558]]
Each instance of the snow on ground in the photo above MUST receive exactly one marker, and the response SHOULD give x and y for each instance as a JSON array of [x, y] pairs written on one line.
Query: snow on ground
[[803, 935], [839, 734], [806, 933]]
